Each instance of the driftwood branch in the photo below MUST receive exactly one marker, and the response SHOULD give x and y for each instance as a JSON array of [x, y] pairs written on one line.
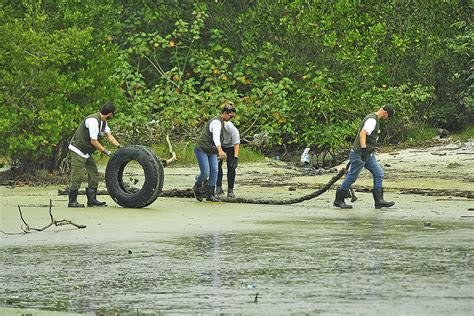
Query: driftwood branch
[[173, 154], [54, 222]]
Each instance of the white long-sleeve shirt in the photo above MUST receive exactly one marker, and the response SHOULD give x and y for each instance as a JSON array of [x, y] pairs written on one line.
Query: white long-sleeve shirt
[[215, 128]]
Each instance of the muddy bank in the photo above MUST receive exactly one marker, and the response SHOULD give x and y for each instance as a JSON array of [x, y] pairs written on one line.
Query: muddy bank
[[183, 256], [443, 169]]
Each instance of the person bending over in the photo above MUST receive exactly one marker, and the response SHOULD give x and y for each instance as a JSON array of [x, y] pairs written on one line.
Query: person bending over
[[362, 155], [208, 149], [83, 144]]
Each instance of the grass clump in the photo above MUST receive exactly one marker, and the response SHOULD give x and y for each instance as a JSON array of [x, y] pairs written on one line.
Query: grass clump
[[453, 165], [418, 136], [465, 135]]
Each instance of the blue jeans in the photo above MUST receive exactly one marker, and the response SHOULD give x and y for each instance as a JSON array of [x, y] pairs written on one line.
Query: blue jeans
[[207, 166], [357, 164]]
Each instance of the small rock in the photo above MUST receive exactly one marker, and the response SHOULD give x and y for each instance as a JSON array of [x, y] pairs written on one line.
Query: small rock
[[291, 189], [427, 224], [129, 252]]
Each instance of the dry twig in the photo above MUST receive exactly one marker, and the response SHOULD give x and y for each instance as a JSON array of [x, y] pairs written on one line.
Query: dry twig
[[173, 154], [54, 222]]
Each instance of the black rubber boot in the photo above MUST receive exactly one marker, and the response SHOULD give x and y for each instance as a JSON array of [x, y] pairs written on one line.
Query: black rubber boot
[[339, 201], [219, 190], [379, 201], [230, 193], [73, 199], [92, 198], [197, 191], [210, 195], [351, 194]]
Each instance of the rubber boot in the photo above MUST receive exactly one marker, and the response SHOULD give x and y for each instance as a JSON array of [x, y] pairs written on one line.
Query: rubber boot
[[339, 201], [92, 198], [230, 193], [219, 190], [378, 197], [210, 195], [197, 191], [73, 199]]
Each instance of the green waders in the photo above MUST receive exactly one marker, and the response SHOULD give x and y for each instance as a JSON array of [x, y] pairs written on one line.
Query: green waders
[[78, 164]]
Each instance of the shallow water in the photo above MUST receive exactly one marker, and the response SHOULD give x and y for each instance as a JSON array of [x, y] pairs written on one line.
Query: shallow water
[[309, 264]]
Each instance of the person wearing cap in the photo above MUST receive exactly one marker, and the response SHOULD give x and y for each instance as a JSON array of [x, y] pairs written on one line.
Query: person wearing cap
[[231, 147], [208, 149], [363, 155], [83, 144]]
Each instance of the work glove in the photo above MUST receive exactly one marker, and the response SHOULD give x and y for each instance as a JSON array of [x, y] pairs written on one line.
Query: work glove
[[110, 154], [363, 154], [234, 163]]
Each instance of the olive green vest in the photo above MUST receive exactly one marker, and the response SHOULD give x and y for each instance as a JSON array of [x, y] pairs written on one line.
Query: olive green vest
[[205, 142], [370, 140], [81, 138]]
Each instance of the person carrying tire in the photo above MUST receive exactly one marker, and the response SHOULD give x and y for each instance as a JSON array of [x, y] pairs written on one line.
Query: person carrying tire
[[363, 155], [231, 147], [208, 149], [83, 144]]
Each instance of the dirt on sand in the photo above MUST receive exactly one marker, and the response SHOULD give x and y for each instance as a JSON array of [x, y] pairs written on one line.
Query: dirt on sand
[[184, 256]]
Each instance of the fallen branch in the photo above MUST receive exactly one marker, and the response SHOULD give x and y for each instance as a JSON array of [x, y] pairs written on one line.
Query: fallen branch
[[54, 222], [173, 154]]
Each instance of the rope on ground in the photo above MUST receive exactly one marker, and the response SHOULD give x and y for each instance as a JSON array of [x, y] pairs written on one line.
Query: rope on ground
[[306, 197], [188, 193], [327, 186]]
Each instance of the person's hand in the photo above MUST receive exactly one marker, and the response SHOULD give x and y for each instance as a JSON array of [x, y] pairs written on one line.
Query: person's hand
[[234, 163], [363, 154], [110, 154], [221, 155]]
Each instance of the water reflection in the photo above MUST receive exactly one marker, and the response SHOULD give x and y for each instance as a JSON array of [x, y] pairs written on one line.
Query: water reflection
[[308, 265]]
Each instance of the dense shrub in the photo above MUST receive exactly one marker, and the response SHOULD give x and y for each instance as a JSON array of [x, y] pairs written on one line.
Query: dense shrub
[[302, 73]]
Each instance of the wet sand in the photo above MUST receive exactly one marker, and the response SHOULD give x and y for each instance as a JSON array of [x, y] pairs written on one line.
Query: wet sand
[[182, 256]]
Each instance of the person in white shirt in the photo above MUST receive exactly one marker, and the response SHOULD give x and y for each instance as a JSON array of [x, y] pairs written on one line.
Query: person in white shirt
[[83, 144], [363, 155], [231, 146], [208, 150]]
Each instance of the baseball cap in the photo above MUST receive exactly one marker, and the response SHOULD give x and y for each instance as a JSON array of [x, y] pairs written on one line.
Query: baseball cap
[[389, 109]]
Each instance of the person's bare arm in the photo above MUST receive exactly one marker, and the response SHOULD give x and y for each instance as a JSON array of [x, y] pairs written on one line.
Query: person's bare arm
[[97, 145], [112, 139], [236, 150]]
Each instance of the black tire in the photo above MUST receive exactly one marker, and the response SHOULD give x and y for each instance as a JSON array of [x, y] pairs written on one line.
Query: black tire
[[158, 167], [154, 177], [159, 170]]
